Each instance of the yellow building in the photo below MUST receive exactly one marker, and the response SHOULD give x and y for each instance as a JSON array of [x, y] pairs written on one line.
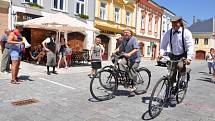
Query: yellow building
[[203, 43], [203, 35], [112, 17]]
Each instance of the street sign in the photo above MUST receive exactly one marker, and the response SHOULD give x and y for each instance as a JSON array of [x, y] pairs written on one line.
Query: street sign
[[152, 43]]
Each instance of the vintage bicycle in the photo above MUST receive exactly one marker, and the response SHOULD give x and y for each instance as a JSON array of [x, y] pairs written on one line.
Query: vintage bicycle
[[165, 89], [104, 83]]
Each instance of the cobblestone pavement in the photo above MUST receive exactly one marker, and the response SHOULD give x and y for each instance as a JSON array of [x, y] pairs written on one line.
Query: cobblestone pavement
[[66, 97]]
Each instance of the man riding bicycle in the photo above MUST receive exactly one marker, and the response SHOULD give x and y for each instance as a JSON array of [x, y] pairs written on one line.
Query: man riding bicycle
[[130, 49], [181, 45]]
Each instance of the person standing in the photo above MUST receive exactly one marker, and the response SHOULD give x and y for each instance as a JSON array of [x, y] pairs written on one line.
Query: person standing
[[16, 44], [62, 52], [5, 62], [97, 51], [50, 46], [210, 60]]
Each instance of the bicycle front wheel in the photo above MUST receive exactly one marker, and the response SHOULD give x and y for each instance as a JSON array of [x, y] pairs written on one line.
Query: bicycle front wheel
[[157, 99], [143, 80], [103, 85], [182, 86]]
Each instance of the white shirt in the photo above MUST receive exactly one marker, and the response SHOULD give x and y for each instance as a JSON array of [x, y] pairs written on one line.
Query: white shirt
[[177, 45], [47, 40], [210, 57]]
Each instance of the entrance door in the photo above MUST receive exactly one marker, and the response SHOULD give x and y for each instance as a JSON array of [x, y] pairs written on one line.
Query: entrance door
[[105, 41], [200, 54]]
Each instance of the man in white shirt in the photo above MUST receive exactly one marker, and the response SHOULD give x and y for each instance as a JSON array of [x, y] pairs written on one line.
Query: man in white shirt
[[181, 44], [50, 46]]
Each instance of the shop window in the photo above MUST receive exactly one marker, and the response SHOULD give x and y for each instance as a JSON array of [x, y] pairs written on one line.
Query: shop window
[[149, 49], [80, 7]]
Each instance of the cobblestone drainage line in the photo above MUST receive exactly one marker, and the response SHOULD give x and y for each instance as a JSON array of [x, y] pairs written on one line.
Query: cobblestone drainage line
[[24, 102]]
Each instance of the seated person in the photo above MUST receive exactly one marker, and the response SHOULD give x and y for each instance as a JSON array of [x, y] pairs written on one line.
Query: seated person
[[41, 54]]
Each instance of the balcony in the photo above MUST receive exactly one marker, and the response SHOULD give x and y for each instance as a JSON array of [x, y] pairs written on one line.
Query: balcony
[[111, 26]]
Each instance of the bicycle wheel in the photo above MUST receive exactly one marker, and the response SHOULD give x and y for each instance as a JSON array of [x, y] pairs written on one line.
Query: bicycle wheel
[[157, 99], [103, 85], [143, 80], [182, 88]]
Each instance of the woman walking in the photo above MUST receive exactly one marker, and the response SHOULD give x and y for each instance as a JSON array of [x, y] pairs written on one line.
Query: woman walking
[[62, 52], [97, 51]]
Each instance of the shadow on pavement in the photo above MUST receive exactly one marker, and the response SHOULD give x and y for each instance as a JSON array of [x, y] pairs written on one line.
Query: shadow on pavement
[[25, 78], [205, 73], [121, 93], [206, 79]]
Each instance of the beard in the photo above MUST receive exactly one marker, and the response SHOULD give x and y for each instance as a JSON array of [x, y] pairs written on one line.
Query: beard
[[127, 38]]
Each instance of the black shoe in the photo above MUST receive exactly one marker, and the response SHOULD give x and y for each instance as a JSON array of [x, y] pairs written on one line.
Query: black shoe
[[210, 73], [172, 102], [54, 72], [131, 94], [48, 73]]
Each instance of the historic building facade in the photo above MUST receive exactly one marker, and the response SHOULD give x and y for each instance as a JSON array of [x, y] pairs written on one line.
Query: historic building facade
[[148, 27], [204, 37], [112, 17]]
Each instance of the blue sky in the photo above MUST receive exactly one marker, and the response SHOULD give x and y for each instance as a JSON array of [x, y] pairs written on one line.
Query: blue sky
[[202, 9]]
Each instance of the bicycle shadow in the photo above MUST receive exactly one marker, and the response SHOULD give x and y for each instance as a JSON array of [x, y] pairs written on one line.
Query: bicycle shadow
[[206, 79], [25, 78], [121, 93], [204, 73]]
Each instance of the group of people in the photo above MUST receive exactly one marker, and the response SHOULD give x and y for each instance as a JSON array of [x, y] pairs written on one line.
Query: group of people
[[12, 46], [179, 38]]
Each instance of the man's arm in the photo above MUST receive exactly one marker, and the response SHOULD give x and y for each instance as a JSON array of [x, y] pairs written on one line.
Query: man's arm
[[44, 44], [189, 44], [164, 43]]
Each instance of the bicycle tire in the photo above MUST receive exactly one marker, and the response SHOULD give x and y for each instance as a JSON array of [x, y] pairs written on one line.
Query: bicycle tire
[[97, 81], [143, 80], [182, 87], [153, 97]]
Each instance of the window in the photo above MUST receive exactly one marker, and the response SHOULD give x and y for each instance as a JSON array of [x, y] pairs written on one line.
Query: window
[[80, 7], [149, 50], [196, 41], [206, 41], [102, 10], [39, 2], [150, 24], [117, 15], [143, 22], [59, 4], [156, 26], [128, 18]]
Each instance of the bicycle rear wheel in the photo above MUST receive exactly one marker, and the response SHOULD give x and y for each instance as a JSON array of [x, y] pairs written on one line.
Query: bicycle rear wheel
[[103, 85], [157, 99], [182, 86], [143, 80]]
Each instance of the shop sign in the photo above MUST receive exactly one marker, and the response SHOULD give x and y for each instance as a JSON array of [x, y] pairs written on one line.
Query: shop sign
[[25, 16]]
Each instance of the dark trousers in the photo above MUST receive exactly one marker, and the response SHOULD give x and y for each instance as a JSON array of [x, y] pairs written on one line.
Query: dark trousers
[[5, 62]]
